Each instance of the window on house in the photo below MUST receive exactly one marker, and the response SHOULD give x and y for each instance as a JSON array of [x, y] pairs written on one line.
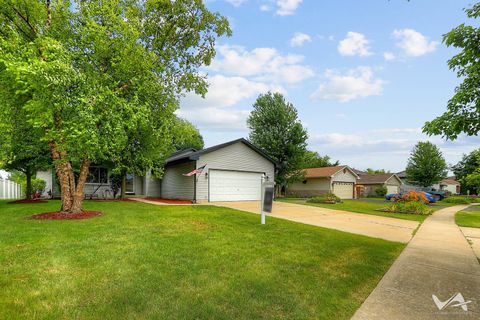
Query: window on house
[[97, 175]]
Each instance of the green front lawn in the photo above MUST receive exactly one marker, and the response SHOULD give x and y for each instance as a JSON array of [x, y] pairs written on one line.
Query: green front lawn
[[359, 206], [468, 219], [140, 261]]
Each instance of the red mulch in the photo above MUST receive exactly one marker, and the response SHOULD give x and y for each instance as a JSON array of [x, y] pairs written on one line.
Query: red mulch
[[65, 216], [170, 201], [28, 201]]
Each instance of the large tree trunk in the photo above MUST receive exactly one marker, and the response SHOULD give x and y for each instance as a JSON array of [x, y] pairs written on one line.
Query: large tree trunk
[[71, 190], [82, 178], [28, 191], [66, 188]]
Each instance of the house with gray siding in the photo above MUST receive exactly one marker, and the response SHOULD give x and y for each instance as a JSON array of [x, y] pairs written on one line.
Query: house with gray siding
[[98, 185], [339, 180], [233, 171]]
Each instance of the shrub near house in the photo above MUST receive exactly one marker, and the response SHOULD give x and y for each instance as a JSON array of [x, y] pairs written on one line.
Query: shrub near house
[[327, 198]]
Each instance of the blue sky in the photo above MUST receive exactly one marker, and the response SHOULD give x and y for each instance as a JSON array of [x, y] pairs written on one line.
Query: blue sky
[[364, 75]]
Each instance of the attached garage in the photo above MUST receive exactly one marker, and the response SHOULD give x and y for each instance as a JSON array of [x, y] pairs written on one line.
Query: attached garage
[[343, 190], [234, 185], [232, 171], [393, 189]]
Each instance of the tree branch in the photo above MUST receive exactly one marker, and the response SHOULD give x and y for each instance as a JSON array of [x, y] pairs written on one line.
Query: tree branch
[[48, 22], [25, 19]]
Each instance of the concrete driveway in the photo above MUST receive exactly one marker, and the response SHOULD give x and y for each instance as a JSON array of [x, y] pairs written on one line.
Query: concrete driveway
[[368, 225]]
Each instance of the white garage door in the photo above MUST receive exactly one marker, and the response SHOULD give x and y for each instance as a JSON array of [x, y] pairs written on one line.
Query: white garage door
[[392, 189], [234, 185], [343, 190]]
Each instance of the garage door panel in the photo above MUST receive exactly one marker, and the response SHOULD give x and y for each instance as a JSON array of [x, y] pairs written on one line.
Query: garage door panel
[[234, 185], [343, 190], [392, 189]]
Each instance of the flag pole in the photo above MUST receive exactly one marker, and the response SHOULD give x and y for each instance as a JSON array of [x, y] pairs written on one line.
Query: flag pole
[[195, 188]]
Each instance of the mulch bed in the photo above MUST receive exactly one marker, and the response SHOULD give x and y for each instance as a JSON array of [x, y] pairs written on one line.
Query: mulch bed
[[112, 200], [170, 201], [23, 201], [65, 216]]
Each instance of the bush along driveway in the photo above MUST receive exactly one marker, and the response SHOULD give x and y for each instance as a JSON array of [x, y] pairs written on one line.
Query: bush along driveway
[[143, 261]]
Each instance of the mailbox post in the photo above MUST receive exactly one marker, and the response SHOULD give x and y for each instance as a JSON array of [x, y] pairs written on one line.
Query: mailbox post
[[268, 188]]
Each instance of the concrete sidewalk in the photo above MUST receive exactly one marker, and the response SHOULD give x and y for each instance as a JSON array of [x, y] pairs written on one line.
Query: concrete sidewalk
[[473, 236], [437, 261], [392, 229]]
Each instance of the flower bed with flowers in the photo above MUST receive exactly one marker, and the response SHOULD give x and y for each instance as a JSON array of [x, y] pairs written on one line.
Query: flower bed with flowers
[[411, 202]]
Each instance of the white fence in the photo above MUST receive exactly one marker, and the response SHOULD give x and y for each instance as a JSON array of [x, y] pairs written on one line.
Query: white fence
[[10, 189]]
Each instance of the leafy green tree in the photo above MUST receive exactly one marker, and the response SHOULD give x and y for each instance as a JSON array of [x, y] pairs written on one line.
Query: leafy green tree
[[468, 165], [426, 165], [97, 72], [36, 185], [20, 146], [313, 159], [275, 127], [473, 181], [186, 135], [463, 109], [144, 151]]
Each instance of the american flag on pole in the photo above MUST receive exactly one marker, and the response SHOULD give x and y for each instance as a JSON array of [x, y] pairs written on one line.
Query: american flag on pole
[[196, 171]]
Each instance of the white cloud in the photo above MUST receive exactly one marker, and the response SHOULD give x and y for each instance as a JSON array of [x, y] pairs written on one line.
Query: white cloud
[[354, 84], [299, 39], [287, 7], [226, 91], [413, 43], [236, 77], [355, 44], [235, 3], [388, 56], [215, 110], [263, 64], [265, 7], [216, 119]]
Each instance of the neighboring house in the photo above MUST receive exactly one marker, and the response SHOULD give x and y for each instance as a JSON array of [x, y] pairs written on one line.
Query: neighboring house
[[369, 182], [449, 184], [406, 186], [339, 180], [233, 172], [359, 172]]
